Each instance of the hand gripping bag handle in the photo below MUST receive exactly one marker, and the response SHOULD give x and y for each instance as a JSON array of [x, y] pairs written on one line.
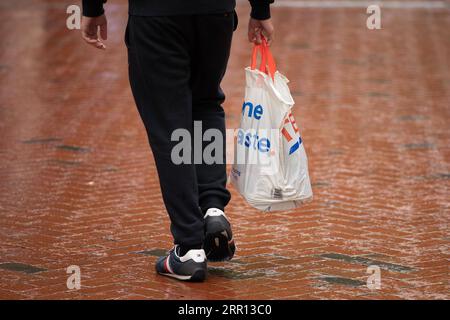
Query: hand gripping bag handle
[[267, 64]]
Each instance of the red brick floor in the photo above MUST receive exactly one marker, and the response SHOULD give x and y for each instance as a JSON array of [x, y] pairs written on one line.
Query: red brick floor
[[78, 184]]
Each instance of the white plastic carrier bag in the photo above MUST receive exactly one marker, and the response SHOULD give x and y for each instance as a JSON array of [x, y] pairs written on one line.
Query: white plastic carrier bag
[[270, 168]]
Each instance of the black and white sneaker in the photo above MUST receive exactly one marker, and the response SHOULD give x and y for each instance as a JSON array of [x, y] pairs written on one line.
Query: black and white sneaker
[[219, 244], [190, 267]]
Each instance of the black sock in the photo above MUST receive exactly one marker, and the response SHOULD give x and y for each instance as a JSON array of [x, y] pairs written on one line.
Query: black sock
[[182, 250]]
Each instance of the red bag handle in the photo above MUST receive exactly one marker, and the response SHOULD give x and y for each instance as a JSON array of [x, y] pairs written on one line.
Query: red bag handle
[[267, 64]]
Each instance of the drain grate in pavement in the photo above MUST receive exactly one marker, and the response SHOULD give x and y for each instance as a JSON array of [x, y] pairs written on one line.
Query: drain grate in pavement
[[343, 281], [367, 262], [412, 117], [300, 46], [378, 94], [110, 169], [319, 184], [378, 80], [352, 62], [236, 275], [335, 152], [436, 176], [296, 93], [416, 146], [44, 140], [4, 67], [153, 252], [20, 267], [73, 148]]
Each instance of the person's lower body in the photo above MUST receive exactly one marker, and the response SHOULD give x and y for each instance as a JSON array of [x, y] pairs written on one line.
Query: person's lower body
[[176, 64]]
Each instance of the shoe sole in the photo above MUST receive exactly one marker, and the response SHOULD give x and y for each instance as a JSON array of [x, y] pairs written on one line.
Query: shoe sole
[[197, 276], [218, 246]]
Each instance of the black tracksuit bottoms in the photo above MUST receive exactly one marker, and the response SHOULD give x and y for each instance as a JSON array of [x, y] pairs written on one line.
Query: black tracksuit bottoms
[[176, 64]]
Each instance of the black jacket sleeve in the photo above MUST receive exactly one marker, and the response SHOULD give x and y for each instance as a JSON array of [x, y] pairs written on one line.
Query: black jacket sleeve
[[93, 8], [260, 9]]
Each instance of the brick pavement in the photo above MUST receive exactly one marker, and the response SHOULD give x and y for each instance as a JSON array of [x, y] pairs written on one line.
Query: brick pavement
[[78, 184]]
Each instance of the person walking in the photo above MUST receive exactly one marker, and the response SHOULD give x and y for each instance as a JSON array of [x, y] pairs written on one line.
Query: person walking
[[177, 54]]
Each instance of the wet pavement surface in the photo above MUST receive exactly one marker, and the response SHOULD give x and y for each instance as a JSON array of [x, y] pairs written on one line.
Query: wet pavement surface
[[78, 185]]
